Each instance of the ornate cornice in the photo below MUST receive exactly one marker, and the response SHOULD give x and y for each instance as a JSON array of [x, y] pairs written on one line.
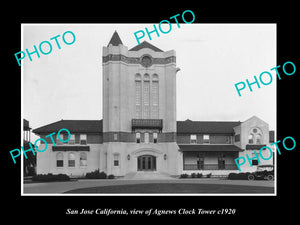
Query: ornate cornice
[[137, 60]]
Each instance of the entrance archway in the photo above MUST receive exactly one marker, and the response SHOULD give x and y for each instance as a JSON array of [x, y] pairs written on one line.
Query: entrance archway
[[146, 163]]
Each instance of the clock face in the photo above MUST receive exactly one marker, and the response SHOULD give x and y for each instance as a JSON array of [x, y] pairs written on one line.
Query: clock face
[[146, 61]]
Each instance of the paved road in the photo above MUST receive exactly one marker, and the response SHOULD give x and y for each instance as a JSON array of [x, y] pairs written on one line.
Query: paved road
[[61, 187]]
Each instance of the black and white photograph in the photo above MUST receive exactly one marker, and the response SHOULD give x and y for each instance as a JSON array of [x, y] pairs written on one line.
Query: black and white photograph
[[160, 117], [134, 112]]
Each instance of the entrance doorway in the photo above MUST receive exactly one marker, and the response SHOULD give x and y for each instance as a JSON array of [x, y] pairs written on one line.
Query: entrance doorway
[[146, 163]]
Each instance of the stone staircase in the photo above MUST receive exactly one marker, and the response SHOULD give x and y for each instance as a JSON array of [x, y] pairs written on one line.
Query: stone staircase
[[147, 175]]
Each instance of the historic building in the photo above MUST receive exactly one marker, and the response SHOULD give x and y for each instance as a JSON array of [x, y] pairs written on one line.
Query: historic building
[[139, 132]]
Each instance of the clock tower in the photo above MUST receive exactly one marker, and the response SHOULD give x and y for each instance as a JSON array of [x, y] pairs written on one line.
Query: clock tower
[[139, 109]]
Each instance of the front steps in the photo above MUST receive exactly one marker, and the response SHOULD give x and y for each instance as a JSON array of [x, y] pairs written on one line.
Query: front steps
[[146, 175]]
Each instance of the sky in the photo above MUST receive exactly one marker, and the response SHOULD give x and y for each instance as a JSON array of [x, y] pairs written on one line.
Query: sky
[[67, 83]]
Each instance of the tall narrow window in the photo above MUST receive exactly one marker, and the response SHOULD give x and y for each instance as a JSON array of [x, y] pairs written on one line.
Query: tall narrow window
[[154, 137], [59, 160], [193, 139], [138, 96], [71, 160], [146, 96], [146, 140], [154, 95], [83, 159], [200, 162], [138, 137], [250, 139], [116, 159], [221, 162]]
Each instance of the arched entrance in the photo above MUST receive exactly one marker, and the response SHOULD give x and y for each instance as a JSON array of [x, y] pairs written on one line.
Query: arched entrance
[[146, 163]]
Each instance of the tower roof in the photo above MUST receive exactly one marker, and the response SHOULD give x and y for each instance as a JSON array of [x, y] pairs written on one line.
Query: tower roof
[[145, 44], [115, 39]]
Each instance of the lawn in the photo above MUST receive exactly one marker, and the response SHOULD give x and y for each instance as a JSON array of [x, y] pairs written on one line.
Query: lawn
[[174, 188]]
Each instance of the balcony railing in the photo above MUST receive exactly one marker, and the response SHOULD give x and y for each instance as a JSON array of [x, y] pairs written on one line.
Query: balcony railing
[[209, 167], [147, 123]]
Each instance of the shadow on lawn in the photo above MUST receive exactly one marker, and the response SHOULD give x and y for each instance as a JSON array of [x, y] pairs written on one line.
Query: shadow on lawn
[[175, 188]]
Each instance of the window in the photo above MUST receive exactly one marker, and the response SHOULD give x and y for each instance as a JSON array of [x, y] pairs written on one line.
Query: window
[[146, 99], [83, 159], [138, 137], [154, 95], [115, 136], [116, 159], [258, 139], [221, 162], [59, 160], [255, 136], [206, 139], [72, 139], [58, 139], [200, 162], [250, 139], [237, 138], [154, 137], [138, 96], [83, 139], [146, 138], [71, 160], [254, 162], [193, 139]]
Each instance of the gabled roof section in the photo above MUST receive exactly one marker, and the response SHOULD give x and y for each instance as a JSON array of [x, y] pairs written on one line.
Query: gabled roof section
[[74, 126], [115, 39], [145, 44], [206, 127]]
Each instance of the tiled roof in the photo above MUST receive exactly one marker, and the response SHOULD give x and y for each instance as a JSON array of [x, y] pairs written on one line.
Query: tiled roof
[[80, 126], [206, 127], [95, 126], [209, 148], [115, 40], [145, 44]]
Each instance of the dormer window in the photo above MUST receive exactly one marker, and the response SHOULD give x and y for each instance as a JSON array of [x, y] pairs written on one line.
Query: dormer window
[[206, 139], [193, 139]]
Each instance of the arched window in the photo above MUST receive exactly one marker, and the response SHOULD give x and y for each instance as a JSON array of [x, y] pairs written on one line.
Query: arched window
[[83, 159], [258, 139], [71, 160], [59, 159], [255, 136], [155, 77], [146, 76]]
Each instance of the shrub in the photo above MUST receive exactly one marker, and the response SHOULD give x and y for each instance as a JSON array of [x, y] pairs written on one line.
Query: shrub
[[199, 175], [96, 175], [208, 175], [111, 176], [184, 175], [50, 177], [193, 175]]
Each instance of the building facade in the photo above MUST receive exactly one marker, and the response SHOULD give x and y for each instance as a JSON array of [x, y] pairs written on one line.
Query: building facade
[[139, 132]]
